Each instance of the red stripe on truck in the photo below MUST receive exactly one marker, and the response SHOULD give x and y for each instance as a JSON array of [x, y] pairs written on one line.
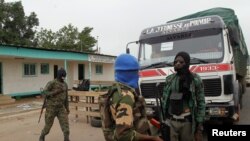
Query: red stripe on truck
[[211, 68], [151, 73]]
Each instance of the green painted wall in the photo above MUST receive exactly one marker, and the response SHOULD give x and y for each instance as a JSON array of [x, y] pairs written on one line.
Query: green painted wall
[[27, 52], [24, 93]]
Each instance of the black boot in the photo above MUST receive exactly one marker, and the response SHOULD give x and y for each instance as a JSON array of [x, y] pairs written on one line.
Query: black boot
[[42, 138]]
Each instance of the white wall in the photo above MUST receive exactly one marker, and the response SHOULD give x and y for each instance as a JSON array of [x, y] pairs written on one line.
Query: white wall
[[107, 75], [15, 82]]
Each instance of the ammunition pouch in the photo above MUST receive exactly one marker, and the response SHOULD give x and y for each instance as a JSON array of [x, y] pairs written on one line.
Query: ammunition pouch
[[176, 103]]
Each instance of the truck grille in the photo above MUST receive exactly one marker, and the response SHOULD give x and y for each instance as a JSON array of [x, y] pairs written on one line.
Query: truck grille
[[148, 89], [212, 87]]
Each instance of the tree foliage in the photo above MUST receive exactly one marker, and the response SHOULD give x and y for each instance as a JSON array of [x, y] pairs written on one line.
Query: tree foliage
[[18, 29], [68, 37], [46, 38], [15, 27]]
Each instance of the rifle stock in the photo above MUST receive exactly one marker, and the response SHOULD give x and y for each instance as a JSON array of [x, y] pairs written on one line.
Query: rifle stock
[[164, 128]]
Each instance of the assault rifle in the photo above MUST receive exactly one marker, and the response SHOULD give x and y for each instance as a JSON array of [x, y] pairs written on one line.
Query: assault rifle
[[161, 125], [44, 104]]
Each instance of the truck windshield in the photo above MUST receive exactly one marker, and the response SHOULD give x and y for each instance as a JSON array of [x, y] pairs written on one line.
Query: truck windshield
[[205, 49]]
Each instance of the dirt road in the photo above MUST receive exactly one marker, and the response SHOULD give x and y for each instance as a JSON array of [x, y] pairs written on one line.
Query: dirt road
[[24, 127]]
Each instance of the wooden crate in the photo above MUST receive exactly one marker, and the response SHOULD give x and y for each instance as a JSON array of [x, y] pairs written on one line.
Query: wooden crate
[[87, 100]]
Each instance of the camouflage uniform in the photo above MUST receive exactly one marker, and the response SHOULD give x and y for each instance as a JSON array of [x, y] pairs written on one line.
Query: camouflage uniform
[[56, 106], [196, 103], [129, 115]]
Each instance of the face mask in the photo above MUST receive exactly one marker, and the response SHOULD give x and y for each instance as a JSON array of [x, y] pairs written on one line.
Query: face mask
[[61, 75], [182, 70]]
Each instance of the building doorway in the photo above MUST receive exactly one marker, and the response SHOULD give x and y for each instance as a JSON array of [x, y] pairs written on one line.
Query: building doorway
[[81, 72], [55, 71]]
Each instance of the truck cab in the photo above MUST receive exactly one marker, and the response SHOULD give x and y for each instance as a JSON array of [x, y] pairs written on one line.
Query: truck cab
[[207, 39]]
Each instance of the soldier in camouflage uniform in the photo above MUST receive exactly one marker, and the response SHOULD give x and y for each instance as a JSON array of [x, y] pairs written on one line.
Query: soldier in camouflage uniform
[[127, 107], [184, 101], [56, 93]]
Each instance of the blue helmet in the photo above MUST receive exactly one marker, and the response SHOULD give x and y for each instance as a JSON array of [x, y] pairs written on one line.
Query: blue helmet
[[126, 62]]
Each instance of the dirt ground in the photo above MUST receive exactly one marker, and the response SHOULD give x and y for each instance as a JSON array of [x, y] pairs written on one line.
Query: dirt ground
[[22, 125]]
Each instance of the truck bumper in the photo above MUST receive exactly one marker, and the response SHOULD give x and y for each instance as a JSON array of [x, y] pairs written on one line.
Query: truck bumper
[[218, 111], [213, 111]]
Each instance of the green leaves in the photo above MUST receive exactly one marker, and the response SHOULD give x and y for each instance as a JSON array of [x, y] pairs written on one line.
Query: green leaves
[[68, 38], [18, 29], [15, 27]]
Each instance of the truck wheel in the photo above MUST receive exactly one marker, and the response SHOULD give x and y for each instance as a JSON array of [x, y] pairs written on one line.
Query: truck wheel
[[96, 122]]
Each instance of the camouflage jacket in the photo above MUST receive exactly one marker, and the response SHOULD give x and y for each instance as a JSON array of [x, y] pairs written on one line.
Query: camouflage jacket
[[129, 115], [197, 101], [56, 94]]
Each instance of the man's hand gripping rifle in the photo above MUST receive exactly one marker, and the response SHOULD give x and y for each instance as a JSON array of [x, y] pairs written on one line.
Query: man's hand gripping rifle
[[161, 125], [44, 103]]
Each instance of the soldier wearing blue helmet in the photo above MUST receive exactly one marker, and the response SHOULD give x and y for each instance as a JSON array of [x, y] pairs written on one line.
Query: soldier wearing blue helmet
[[126, 70], [128, 120]]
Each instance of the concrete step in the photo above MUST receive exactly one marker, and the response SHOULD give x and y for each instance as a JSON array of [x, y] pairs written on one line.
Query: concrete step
[[5, 99]]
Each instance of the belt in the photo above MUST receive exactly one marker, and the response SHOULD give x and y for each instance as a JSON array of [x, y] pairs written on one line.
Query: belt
[[185, 119]]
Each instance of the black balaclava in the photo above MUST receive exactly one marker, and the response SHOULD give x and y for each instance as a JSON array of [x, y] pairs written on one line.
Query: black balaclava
[[184, 73], [60, 74], [185, 68]]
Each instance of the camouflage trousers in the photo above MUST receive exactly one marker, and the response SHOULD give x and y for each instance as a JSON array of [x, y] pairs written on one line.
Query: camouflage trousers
[[61, 114]]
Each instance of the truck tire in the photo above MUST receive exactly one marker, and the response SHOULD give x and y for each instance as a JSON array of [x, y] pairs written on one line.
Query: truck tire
[[96, 122]]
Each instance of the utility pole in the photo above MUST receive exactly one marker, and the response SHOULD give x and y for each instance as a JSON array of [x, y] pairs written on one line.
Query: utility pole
[[97, 45]]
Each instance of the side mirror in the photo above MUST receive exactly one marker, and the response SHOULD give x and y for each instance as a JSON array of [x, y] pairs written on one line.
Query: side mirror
[[127, 50]]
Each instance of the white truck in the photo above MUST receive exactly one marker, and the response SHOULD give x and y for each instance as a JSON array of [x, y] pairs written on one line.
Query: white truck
[[215, 42]]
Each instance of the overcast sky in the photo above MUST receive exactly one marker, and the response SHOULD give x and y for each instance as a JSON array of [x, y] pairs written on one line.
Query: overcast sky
[[117, 22]]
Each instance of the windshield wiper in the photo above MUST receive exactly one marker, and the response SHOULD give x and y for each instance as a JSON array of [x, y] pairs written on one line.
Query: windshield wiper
[[157, 65], [199, 60]]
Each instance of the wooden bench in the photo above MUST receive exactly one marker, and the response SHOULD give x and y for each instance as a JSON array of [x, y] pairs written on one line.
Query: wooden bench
[[99, 84], [87, 100]]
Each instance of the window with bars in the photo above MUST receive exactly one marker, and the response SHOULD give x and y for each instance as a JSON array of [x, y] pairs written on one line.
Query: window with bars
[[98, 69], [44, 68], [29, 69]]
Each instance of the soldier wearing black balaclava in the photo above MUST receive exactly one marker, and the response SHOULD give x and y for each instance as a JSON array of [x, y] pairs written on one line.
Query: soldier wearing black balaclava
[[57, 105], [181, 66], [184, 101], [61, 74]]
